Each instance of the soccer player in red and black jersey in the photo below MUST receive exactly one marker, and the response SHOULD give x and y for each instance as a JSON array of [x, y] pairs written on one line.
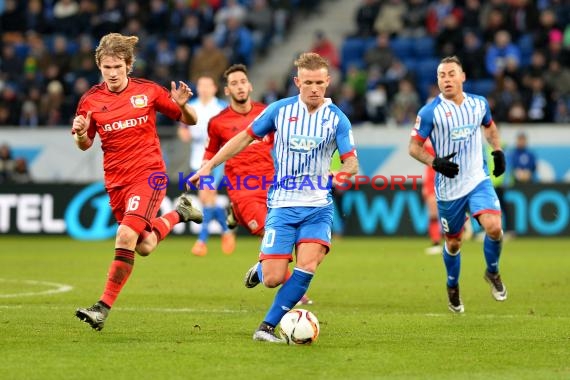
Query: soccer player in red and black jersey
[[122, 111], [250, 173]]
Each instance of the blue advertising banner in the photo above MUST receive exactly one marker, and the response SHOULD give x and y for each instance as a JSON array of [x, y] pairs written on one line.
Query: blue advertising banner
[[80, 211], [533, 210], [83, 212]]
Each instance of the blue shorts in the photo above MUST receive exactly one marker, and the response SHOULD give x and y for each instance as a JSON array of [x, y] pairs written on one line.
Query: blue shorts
[[286, 227], [481, 200]]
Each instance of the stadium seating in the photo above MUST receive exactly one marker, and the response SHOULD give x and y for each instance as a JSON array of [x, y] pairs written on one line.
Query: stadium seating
[[526, 46], [410, 63], [424, 47], [423, 88], [468, 86], [403, 47], [426, 69], [483, 86], [352, 52]]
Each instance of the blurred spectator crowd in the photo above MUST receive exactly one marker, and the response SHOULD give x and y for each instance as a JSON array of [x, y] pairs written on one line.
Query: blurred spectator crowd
[[515, 52], [13, 169], [47, 46]]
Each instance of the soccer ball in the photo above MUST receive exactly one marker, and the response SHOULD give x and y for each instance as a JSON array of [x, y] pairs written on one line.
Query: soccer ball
[[299, 326]]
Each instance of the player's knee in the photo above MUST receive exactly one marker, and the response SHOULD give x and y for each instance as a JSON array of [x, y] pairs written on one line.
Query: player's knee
[[310, 267], [310, 256], [273, 280], [143, 252], [453, 245], [126, 237], [494, 231], [144, 249], [147, 243]]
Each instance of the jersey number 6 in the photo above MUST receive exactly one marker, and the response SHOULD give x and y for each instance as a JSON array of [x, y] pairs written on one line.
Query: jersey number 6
[[133, 203]]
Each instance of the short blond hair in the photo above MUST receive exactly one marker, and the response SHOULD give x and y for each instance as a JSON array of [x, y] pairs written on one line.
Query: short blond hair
[[452, 59], [117, 45], [311, 61]]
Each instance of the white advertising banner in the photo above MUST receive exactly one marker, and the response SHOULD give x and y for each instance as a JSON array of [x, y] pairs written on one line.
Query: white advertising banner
[[53, 157]]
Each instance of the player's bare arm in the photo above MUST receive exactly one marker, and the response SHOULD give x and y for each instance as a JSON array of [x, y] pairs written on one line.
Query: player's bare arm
[[181, 95], [443, 165], [417, 151], [79, 130], [349, 166], [492, 136], [238, 143]]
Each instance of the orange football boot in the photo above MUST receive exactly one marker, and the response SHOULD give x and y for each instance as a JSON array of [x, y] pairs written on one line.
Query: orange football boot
[[199, 248], [228, 243]]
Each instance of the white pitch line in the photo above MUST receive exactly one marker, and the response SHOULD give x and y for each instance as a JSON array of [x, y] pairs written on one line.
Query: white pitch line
[[490, 316], [233, 311], [132, 309], [58, 288], [181, 310]]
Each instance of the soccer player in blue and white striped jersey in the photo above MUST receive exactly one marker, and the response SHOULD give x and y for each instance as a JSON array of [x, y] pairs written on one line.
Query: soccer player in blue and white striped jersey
[[206, 105], [452, 122], [307, 129]]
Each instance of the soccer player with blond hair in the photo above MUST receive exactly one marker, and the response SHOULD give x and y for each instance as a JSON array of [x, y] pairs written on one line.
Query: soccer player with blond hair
[[122, 111], [307, 129]]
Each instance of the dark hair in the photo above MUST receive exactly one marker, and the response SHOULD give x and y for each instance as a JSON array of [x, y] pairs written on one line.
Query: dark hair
[[233, 69]]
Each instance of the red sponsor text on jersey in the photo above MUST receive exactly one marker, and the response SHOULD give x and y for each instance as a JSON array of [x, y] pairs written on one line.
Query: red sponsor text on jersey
[[126, 123]]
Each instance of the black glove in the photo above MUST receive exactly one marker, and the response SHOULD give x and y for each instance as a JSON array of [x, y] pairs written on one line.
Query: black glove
[[499, 161], [445, 166]]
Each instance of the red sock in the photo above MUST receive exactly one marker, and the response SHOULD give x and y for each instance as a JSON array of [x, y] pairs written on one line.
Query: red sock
[[118, 275], [161, 228], [434, 230]]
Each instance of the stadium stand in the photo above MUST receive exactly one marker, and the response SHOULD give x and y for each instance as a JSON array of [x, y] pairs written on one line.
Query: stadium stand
[[40, 40], [31, 76], [424, 39], [403, 47], [352, 52]]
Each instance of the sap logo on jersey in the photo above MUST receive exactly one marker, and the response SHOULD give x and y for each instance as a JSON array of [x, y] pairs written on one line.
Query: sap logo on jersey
[[303, 144], [462, 133], [123, 124]]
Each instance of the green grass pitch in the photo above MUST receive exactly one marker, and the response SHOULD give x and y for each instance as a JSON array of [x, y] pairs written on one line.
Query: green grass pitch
[[381, 303]]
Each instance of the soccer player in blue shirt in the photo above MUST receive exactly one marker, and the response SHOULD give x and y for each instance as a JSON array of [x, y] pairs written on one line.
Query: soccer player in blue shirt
[[207, 105], [307, 129], [452, 122]]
